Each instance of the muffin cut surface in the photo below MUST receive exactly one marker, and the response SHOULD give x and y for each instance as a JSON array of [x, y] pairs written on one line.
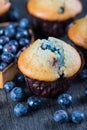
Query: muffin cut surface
[[47, 60]]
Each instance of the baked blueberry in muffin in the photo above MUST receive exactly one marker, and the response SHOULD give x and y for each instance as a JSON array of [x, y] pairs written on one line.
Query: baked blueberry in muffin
[[77, 33], [51, 17], [48, 66]]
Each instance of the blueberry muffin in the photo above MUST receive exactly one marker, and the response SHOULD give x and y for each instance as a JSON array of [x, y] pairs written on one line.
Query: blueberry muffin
[[48, 66], [77, 33], [5, 6], [51, 17]]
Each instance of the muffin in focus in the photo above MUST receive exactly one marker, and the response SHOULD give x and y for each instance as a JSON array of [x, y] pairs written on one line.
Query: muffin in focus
[[48, 66], [5, 6], [77, 33], [51, 18]]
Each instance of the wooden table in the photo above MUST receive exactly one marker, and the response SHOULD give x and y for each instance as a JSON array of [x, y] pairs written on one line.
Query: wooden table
[[42, 119]]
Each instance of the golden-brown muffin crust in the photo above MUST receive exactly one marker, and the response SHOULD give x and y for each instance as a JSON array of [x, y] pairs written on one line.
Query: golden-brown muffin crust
[[37, 63], [54, 9], [4, 6], [78, 32]]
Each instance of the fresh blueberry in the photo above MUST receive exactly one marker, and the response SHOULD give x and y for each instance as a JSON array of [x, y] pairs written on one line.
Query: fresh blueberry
[[9, 32], [4, 40], [11, 48], [60, 116], [13, 14], [64, 100], [17, 94], [83, 74], [1, 48], [13, 42], [7, 57], [24, 23], [25, 33], [21, 34], [8, 86], [24, 42], [34, 102], [1, 31], [77, 117], [21, 109], [12, 26], [3, 65], [20, 78], [85, 91]]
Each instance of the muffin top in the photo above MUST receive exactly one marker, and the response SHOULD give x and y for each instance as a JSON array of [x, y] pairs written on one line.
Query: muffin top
[[54, 9], [78, 32], [4, 6], [47, 60]]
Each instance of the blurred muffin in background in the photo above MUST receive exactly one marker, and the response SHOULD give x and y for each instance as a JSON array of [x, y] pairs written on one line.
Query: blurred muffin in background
[[8, 12], [51, 17], [77, 33]]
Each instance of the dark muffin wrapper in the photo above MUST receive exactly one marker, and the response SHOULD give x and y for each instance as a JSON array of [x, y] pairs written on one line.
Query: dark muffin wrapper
[[43, 28], [48, 89], [84, 52]]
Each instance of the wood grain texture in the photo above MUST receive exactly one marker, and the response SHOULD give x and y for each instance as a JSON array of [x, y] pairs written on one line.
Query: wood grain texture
[[42, 119]]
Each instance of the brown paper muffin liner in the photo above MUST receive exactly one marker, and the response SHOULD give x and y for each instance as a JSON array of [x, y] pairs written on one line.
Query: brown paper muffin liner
[[84, 52], [43, 28], [48, 89]]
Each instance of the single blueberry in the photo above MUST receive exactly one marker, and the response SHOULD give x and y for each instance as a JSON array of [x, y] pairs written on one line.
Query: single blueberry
[[77, 117], [10, 32], [4, 40], [13, 14], [12, 26], [83, 74], [21, 109], [1, 31], [60, 116], [14, 42], [18, 35], [11, 48], [17, 94], [34, 102], [3, 65], [22, 34], [85, 91], [7, 57], [20, 78], [64, 100], [24, 23], [24, 42], [26, 33], [8, 86]]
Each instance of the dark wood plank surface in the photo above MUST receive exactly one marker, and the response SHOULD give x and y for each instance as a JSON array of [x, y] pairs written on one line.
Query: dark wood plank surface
[[42, 119]]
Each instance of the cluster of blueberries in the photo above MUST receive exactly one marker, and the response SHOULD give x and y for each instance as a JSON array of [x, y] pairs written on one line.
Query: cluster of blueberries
[[64, 101], [27, 101], [13, 37]]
